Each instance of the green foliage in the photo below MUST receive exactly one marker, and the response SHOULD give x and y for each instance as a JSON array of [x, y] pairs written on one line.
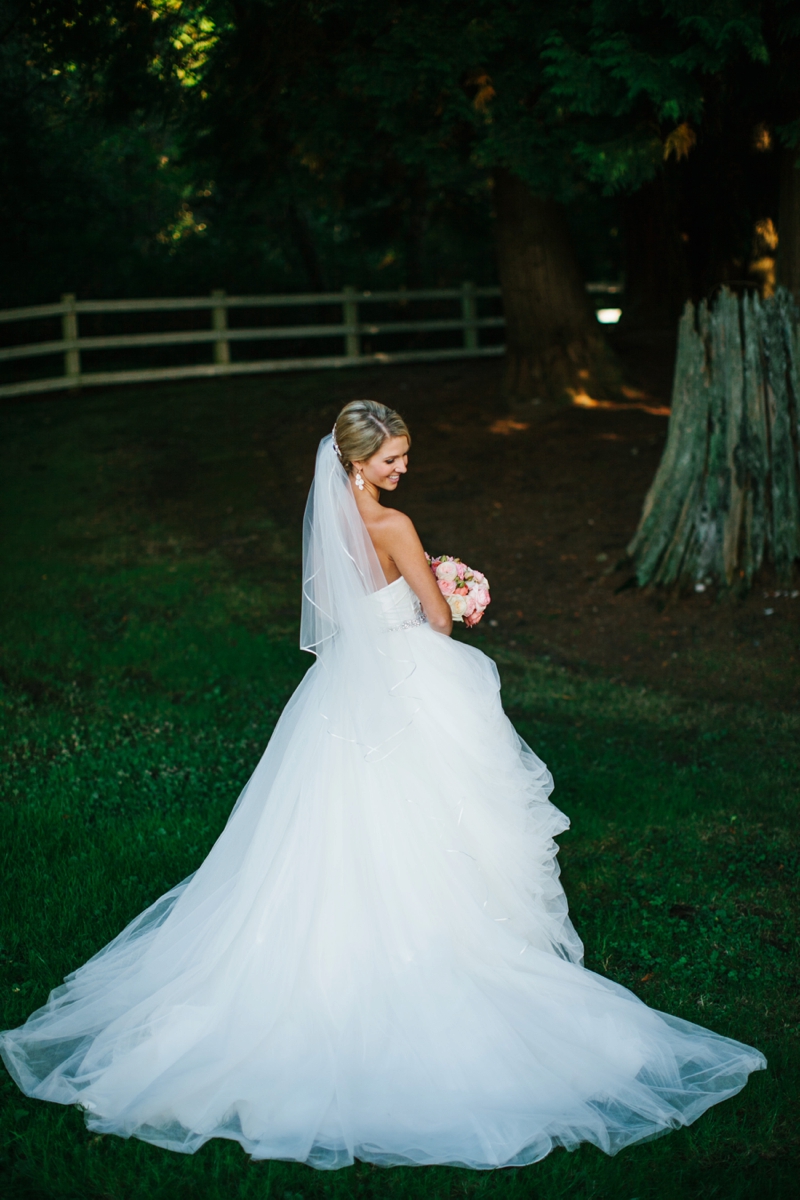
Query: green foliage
[[174, 145], [641, 69], [150, 620], [169, 146], [87, 142], [146, 150]]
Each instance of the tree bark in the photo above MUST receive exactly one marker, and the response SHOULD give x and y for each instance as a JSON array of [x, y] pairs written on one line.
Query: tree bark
[[554, 347], [789, 223], [656, 275], [726, 496]]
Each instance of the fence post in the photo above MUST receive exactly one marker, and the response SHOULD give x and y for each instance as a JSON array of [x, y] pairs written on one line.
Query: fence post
[[219, 323], [69, 332], [350, 310], [469, 313]]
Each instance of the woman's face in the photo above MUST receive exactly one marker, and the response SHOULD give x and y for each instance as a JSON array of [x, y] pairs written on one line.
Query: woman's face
[[384, 469]]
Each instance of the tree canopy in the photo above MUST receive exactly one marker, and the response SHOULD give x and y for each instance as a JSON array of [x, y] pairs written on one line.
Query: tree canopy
[[172, 144]]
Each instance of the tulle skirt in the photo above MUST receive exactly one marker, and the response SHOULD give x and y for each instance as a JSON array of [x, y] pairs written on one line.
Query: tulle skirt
[[375, 961]]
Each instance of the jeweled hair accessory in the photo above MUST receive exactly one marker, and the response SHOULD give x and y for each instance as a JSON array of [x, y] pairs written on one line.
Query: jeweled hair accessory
[[335, 443]]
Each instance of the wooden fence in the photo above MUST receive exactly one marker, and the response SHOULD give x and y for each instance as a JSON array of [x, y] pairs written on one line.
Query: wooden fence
[[220, 335]]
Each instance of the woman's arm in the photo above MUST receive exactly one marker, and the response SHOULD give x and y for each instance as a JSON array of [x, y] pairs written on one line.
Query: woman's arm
[[399, 539]]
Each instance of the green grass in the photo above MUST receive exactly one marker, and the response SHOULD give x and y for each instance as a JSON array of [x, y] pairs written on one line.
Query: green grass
[[150, 603]]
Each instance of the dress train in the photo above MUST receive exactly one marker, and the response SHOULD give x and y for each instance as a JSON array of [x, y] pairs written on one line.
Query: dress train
[[375, 959]]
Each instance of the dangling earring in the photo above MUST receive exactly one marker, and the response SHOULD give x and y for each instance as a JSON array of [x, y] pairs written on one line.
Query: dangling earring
[[359, 482]]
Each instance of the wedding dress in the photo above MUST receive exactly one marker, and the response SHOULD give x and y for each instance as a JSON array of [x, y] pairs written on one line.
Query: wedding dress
[[375, 960]]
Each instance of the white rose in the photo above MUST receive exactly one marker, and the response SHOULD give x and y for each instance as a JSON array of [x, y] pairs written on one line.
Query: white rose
[[458, 606], [446, 570]]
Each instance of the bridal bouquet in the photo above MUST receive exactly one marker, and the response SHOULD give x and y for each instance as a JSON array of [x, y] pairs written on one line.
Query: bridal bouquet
[[466, 591]]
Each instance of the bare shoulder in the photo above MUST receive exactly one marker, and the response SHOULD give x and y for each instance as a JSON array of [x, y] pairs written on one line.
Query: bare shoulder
[[392, 518], [393, 526]]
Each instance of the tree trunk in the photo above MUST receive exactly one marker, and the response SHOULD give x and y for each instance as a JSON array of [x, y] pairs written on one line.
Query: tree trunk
[[656, 274], [789, 223], [553, 342], [726, 496]]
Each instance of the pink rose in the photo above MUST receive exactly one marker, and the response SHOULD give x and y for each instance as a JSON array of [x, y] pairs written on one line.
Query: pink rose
[[478, 577], [471, 621], [462, 590], [481, 597], [446, 570], [462, 570], [446, 587], [471, 607]]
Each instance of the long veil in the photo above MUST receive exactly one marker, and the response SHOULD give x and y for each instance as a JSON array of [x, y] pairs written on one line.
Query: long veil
[[366, 699]]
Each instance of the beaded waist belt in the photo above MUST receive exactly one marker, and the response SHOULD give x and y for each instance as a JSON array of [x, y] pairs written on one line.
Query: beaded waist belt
[[420, 620]]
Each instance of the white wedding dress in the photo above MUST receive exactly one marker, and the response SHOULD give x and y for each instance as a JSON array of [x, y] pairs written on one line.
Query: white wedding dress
[[375, 960]]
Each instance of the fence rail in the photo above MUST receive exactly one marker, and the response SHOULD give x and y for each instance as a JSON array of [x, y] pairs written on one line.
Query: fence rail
[[220, 336]]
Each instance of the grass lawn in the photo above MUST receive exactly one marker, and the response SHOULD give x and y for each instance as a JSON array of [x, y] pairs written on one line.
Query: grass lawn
[[150, 604]]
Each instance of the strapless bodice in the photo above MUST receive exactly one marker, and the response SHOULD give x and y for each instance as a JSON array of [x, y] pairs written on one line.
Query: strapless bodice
[[398, 607]]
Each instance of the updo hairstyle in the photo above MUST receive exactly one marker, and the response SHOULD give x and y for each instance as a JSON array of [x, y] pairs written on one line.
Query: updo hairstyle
[[361, 429]]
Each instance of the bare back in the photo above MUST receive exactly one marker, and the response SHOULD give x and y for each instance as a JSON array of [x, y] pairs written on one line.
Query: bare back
[[400, 553]]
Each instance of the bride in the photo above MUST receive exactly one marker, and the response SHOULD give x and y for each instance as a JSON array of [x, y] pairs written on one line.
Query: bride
[[375, 960]]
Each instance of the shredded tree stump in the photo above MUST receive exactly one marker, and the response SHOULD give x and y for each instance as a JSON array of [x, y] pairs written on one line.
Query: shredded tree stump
[[726, 496]]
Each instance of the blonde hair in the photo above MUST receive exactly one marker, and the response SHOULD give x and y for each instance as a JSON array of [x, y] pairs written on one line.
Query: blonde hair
[[361, 429]]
